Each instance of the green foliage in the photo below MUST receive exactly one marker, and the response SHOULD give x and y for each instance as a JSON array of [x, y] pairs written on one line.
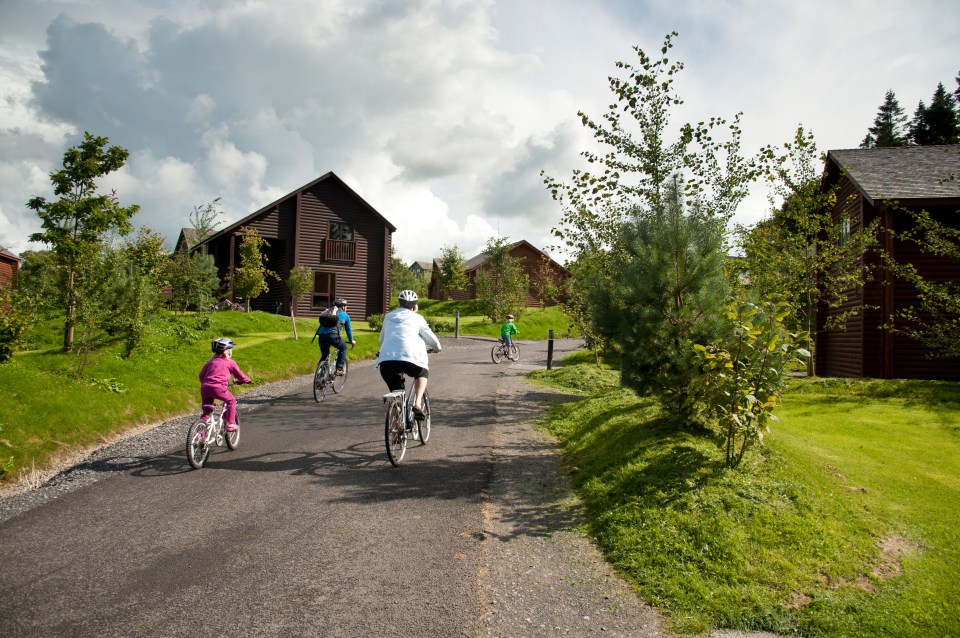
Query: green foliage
[[670, 292], [744, 372], [439, 325], [14, 318], [204, 221], [299, 283], [402, 278], [806, 253], [41, 281], [938, 123], [194, 281], [934, 320], [501, 283], [889, 127], [249, 280], [140, 265], [450, 271], [375, 322], [798, 540], [75, 225]]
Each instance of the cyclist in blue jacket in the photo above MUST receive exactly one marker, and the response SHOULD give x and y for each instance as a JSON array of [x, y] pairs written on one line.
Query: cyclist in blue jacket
[[331, 336]]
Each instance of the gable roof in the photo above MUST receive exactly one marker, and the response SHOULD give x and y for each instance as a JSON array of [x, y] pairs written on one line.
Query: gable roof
[[329, 176], [902, 173], [478, 260], [424, 265], [9, 255]]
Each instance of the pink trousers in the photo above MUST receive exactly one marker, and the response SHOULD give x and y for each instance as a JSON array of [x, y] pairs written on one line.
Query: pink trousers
[[210, 393]]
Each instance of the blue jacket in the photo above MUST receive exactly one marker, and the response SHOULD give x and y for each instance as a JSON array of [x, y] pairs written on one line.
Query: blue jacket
[[344, 322]]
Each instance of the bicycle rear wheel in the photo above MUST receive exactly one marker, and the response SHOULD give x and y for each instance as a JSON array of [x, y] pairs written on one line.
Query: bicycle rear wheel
[[423, 425], [394, 434], [233, 438], [339, 382], [496, 354], [197, 450], [320, 381]]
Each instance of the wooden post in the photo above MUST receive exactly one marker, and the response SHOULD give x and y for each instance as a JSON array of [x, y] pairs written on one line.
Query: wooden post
[[550, 351], [456, 330]]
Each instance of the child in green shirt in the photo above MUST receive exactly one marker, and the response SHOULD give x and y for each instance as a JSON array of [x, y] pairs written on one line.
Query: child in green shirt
[[506, 331]]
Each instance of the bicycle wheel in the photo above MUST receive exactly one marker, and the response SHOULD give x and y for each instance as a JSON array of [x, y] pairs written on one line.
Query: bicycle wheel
[[197, 450], [514, 353], [394, 434], [320, 381], [339, 382], [423, 425], [496, 354], [233, 438]]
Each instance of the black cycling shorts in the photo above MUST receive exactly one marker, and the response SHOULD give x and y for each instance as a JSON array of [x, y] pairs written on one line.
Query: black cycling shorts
[[393, 371]]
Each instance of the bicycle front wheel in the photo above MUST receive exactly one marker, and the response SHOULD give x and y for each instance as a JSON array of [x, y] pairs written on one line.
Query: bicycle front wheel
[[514, 353], [233, 438], [197, 450], [320, 381], [496, 354], [423, 425], [339, 382], [394, 434]]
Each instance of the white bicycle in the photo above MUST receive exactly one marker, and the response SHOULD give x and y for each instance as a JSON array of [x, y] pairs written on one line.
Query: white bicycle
[[203, 436]]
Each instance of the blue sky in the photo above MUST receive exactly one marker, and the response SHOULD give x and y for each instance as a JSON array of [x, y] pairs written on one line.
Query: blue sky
[[440, 113]]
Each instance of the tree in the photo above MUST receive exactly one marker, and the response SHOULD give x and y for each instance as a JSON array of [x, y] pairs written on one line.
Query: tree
[[616, 217], [450, 271], [40, 281], [249, 280], [937, 124], [889, 127], [934, 320], [402, 278], [803, 253], [204, 221], [299, 283], [501, 283], [139, 280], [669, 292], [194, 281], [75, 225]]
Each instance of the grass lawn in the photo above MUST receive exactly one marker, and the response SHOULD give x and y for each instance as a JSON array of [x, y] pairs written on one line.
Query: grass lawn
[[844, 524]]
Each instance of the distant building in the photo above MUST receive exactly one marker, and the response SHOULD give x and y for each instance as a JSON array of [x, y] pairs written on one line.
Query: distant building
[[879, 184], [421, 268], [9, 267], [532, 260], [325, 226]]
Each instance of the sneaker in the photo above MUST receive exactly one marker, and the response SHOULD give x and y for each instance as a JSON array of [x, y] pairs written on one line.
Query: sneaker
[[339, 372], [231, 427]]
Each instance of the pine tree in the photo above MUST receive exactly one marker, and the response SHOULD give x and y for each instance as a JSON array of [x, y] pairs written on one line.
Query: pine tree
[[938, 123], [889, 127]]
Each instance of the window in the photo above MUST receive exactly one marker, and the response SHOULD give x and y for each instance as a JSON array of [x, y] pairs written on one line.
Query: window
[[324, 285], [844, 229], [341, 231]]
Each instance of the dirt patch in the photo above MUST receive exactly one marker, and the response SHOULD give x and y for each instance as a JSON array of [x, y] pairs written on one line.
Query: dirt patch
[[892, 548]]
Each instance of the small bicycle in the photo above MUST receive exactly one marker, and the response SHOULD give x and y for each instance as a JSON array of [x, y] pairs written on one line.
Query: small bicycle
[[400, 425], [203, 436], [500, 351], [325, 378]]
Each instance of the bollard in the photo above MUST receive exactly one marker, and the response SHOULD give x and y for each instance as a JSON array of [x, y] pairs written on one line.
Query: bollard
[[550, 351], [456, 326]]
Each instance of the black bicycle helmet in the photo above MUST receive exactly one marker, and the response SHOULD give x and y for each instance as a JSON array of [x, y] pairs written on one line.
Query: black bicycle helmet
[[340, 303], [221, 345]]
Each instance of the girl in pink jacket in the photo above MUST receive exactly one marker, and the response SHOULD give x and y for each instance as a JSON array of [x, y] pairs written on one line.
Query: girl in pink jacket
[[214, 377]]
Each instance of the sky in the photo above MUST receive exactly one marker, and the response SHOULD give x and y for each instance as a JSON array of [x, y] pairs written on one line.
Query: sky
[[441, 114]]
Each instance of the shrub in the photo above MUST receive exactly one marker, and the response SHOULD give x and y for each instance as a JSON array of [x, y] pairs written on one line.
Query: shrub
[[375, 321]]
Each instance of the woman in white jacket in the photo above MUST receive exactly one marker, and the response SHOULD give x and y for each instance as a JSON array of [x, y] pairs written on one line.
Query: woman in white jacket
[[404, 339]]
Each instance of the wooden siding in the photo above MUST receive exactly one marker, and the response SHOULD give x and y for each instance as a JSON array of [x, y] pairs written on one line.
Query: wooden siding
[[8, 270]]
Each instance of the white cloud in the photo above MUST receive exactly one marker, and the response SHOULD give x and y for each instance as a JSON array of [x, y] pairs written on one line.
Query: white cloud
[[441, 113]]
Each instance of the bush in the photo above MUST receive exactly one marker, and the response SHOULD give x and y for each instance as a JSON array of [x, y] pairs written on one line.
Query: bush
[[375, 322], [440, 325]]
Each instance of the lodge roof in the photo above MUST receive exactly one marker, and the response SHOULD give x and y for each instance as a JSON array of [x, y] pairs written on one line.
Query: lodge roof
[[902, 173]]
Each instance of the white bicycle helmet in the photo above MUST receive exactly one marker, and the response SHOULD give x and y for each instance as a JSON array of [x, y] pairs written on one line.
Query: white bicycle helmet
[[407, 298], [221, 345]]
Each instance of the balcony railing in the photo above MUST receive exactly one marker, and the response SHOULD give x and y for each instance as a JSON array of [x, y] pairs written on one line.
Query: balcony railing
[[339, 250]]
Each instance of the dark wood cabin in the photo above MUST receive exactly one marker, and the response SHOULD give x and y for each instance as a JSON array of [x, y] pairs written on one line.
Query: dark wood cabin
[[9, 266], [532, 260], [881, 184], [327, 227]]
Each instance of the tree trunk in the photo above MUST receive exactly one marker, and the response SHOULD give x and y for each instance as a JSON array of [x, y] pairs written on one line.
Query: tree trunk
[[293, 320]]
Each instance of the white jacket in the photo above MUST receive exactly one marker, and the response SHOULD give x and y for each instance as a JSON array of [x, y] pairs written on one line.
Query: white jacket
[[405, 336]]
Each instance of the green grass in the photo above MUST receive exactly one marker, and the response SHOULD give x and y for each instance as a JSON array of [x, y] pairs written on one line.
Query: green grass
[[859, 480], [533, 323]]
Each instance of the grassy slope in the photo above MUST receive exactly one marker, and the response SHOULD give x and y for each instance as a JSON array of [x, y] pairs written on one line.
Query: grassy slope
[[859, 480]]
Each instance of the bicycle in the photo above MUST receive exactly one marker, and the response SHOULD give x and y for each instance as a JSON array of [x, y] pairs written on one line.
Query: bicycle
[[400, 425], [203, 436], [500, 351], [325, 379]]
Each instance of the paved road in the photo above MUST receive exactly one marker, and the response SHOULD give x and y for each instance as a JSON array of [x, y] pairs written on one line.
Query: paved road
[[305, 530]]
